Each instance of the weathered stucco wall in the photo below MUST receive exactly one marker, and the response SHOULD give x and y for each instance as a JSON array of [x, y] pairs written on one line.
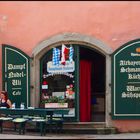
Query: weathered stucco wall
[[25, 24]]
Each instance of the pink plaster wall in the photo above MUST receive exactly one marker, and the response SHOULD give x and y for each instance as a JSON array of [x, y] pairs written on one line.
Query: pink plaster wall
[[127, 125], [24, 24]]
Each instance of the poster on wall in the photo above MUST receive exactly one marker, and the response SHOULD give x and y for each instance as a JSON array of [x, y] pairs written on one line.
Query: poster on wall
[[126, 81], [16, 75]]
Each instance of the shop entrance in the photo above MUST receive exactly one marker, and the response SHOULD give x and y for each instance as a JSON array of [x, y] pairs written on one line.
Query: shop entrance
[[85, 76], [92, 85], [83, 46]]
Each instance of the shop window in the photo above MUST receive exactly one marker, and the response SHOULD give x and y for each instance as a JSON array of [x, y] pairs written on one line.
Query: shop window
[[58, 78]]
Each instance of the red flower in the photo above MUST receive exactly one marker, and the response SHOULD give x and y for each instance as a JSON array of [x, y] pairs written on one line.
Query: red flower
[[71, 86]]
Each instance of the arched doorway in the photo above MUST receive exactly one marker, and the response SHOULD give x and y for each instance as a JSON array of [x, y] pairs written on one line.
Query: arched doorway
[[92, 85], [87, 79], [72, 38]]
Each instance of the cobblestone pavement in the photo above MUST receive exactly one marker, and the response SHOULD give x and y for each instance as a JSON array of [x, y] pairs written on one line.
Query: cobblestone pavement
[[70, 136]]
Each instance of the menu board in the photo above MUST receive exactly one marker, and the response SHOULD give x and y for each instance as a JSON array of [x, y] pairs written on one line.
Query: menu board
[[16, 75], [126, 81]]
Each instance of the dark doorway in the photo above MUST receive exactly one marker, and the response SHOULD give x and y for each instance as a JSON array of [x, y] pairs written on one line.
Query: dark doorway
[[97, 82]]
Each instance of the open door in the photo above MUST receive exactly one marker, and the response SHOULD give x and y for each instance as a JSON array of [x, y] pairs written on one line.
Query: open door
[[16, 75]]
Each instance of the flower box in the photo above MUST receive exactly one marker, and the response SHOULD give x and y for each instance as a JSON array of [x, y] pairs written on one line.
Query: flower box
[[56, 105]]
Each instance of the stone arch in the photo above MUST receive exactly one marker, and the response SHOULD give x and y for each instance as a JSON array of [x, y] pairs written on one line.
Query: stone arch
[[69, 38], [75, 38]]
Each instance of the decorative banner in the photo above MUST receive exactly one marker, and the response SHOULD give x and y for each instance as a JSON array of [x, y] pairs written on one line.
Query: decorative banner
[[126, 81], [64, 54], [56, 56], [53, 74], [71, 52], [68, 67], [16, 75]]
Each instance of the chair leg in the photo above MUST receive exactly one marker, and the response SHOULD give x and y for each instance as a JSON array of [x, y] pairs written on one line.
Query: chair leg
[[22, 128], [15, 126], [42, 128], [19, 128], [1, 126], [50, 127], [60, 125]]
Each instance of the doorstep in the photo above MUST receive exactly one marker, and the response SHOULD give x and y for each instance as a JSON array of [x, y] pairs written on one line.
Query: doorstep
[[109, 130]]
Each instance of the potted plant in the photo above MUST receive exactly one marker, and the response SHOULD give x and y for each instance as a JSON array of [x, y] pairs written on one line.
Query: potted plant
[[55, 102]]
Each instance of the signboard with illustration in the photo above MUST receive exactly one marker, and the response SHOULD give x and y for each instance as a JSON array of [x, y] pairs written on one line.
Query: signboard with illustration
[[126, 81], [16, 75]]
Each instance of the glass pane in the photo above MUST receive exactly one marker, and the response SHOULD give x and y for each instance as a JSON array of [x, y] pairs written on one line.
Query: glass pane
[[57, 79]]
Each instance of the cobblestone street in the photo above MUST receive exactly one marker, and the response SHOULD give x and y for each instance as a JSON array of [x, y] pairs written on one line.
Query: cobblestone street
[[70, 136]]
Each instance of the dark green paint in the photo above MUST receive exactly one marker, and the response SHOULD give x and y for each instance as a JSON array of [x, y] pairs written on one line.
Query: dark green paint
[[124, 107], [17, 85]]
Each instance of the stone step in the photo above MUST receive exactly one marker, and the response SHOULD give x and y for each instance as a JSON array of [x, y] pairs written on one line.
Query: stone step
[[84, 125], [77, 128], [88, 128], [108, 130]]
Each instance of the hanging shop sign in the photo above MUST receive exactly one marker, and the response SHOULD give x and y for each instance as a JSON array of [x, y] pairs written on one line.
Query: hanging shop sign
[[16, 75], [126, 81], [68, 67], [62, 60]]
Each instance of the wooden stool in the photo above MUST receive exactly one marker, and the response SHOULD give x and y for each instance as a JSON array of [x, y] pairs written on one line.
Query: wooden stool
[[55, 124], [42, 124], [21, 122], [3, 119]]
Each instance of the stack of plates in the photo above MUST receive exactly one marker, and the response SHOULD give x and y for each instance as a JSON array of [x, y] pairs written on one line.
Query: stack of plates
[[30, 107], [5, 118], [20, 120], [3, 107]]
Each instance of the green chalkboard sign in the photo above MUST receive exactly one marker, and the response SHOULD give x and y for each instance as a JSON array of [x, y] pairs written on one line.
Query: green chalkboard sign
[[16, 75], [126, 81]]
